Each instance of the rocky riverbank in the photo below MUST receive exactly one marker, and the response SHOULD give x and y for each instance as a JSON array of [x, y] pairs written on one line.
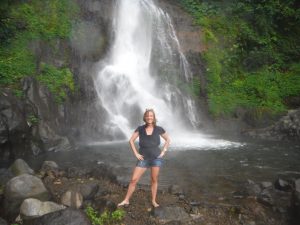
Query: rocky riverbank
[[62, 195], [287, 128]]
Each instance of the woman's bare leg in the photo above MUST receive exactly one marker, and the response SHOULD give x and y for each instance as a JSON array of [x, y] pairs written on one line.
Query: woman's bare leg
[[154, 184], [137, 173]]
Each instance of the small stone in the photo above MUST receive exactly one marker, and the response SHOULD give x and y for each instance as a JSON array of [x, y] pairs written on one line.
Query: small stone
[[282, 185], [57, 182], [181, 197], [195, 203], [49, 165], [195, 210], [266, 184], [72, 199]]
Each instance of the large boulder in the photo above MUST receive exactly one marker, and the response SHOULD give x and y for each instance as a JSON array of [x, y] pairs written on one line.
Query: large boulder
[[66, 217], [20, 167], [20, 188], [32, 208]]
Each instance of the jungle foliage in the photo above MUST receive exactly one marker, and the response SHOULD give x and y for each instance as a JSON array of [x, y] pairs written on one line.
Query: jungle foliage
[[23, 23], [253, 53]]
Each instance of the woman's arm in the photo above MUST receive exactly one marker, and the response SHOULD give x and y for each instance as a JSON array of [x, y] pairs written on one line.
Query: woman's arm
[[166, 137], [132, 145]]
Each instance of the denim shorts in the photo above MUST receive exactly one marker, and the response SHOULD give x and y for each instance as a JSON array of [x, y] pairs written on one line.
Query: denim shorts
[[146, 163]]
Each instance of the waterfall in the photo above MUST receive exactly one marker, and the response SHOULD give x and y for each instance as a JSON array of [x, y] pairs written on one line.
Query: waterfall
[[130, 81], [147, 69]]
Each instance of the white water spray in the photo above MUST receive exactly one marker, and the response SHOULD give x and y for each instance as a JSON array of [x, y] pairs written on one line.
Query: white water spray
[[144, 69]]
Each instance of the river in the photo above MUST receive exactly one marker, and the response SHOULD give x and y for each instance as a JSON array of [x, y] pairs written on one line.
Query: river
[[202, 173]]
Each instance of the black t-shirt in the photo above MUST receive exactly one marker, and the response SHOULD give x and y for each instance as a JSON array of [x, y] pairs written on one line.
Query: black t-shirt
[[149, 144]]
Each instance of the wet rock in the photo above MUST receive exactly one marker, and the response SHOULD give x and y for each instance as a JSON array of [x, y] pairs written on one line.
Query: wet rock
[[52, 141], [195, 210], [20, 167], [3, 222], [253, 188], [72, 199], [49, 165], [171, 214], [20, 188], [266, 184], [105, 172], [5, 176], [181, 197], [101, 192], [175, 190], [287, 128], [250, 223], [296, 205], [74, 172], [295, 201], [282, 185], [32, 208], [66, 217], [15, 127], [241, 194], [51, 169], [297, 185], [111, 206], [88, 191], [265, 198], [195, 203], [3, 130]]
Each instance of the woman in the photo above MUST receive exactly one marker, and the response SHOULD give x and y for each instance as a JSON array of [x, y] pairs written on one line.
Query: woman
[[149, 154]]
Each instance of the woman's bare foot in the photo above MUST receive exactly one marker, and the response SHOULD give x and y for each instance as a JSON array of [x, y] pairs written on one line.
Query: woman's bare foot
[[155, 205], [123, 203]]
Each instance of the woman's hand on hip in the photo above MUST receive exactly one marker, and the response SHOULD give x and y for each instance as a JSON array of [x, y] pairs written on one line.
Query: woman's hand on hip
[[139, 156], [162, 154]]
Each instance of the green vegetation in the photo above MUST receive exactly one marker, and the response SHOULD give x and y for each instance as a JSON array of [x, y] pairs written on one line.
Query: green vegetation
[[253, 53], [58, 81], [106, 218], [33, 119], [24, 23]]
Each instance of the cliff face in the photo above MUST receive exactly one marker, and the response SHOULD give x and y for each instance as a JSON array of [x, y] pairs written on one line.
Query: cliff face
[[36, 122]]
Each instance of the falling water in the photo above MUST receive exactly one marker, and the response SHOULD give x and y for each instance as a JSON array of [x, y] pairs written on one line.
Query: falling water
[[145, 69]]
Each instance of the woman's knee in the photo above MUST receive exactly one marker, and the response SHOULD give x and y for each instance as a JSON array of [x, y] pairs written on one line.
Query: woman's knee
[[133, 181], [154, 180]]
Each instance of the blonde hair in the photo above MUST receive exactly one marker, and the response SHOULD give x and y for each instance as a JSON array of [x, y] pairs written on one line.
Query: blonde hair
[[146, 113]]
